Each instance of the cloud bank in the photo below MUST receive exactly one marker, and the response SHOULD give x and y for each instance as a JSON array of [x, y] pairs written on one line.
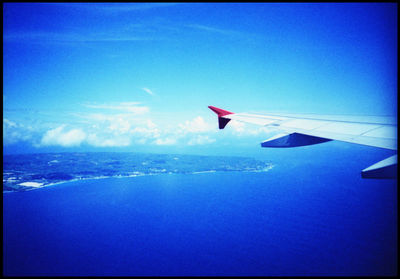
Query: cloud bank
[[59, 136]]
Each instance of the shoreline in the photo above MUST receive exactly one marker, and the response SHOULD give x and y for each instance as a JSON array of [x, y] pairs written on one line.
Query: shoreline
[[128, 176]]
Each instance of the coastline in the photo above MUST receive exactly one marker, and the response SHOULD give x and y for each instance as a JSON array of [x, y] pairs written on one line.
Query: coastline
[[30, 188]]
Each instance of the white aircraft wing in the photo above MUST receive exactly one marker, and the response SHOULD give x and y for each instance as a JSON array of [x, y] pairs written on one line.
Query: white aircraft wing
[[301, 130]]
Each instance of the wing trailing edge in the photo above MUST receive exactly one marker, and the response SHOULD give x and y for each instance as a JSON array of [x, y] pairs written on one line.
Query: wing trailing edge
[[292, 140]]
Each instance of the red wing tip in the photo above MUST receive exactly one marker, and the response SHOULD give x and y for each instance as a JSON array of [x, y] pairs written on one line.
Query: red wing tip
[[220, 112]]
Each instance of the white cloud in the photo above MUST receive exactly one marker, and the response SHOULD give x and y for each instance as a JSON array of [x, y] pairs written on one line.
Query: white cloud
[[166, 141], [200, 140], [242, 129], [145, 132], [120, 125], [197, 125], [8, 123], [237, 126], [14, 132], [129, 103], [148, 91], [141, 141], [151, 124], [75, 137], [214, 30], [146, 129], [95, 140], [58, 136], [134, 127]]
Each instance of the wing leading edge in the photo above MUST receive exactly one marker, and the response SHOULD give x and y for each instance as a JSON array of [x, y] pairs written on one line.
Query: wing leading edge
[[302, 130]]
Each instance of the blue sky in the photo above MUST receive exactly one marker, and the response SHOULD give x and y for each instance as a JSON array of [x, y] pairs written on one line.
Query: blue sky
[[139, 76]]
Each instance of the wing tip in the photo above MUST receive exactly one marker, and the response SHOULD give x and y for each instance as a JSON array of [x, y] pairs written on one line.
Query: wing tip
[[219, 112]]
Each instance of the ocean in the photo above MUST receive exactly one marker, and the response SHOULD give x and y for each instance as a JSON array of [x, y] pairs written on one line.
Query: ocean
[[211, 216]]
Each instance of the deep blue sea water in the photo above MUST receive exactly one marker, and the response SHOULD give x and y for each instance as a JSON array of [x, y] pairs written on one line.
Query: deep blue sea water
[[211, 223]]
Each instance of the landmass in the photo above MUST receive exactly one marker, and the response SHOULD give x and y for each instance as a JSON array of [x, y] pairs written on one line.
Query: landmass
[[31, 171]]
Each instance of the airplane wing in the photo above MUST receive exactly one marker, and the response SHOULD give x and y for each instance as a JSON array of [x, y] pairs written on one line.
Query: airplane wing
[[301, 130]]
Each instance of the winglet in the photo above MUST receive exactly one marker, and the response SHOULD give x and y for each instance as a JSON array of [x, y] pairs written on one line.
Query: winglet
[[221, 112]]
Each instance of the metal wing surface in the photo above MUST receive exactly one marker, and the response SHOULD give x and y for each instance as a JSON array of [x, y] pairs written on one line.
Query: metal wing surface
[[308, 129]]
